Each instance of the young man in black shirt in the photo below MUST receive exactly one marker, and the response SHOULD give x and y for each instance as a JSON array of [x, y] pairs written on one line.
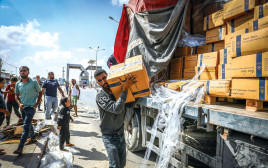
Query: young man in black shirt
[[112, 115]]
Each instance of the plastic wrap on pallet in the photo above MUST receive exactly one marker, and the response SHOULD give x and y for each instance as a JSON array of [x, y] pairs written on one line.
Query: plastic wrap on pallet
[[40, 124], [191, 40], [55, 158], [169, 118]]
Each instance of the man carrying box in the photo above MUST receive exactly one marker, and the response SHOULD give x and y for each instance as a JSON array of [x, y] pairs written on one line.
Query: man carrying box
[[112, 114]]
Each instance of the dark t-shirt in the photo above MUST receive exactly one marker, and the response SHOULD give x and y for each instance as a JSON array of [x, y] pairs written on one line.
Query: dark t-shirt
[[51, 87], [2, 101]]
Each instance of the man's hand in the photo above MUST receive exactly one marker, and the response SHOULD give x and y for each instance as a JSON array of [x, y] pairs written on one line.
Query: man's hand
[[77, 97], [21, 106], [35, 106], [130, 81], [7, 113], [59, 127], [72, 119]]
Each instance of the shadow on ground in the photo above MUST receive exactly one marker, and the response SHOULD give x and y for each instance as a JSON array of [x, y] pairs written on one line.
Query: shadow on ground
[[92, 154], [84, 134]]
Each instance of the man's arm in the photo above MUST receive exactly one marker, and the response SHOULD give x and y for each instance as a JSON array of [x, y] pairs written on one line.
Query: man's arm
[[17, 98], [77, 87], [5, 95], [5, 111], [116, 107], [61, 91], [107, 104], [38, 100]]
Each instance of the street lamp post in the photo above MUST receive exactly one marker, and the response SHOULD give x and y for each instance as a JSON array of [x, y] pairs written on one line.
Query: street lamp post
[[91, 62], [110, 17], [97, 50]]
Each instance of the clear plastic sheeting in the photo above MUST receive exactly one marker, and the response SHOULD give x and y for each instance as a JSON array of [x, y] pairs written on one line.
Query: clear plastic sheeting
[[169, 119], [191, 40], [55, 158], [40, 124]]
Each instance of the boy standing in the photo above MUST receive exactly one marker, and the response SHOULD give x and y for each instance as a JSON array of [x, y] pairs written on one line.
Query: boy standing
[[63, 123]]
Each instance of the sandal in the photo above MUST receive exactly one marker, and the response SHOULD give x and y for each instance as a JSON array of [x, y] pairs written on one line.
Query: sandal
[[69, 144], [64, 150]]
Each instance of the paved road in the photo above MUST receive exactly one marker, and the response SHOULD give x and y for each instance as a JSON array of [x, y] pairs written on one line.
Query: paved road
[[86, 135]]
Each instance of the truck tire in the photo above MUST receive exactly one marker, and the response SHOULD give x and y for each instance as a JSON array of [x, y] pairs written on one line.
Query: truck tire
[[133, 134]]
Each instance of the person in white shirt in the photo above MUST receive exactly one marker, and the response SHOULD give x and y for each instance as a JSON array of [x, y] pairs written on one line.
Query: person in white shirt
[[74, 94]]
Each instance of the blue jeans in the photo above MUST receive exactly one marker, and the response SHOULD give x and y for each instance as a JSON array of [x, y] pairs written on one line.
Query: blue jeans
[[51, 106], [116, 149], [27, 116]]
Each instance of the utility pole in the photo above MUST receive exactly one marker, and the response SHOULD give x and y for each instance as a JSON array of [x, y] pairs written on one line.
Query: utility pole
[[91, 62], [63, 72], [97, 50]]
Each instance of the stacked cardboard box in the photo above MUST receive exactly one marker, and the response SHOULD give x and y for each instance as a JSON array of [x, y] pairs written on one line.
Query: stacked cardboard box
[[132, 66], [183, 67], [247, 47], [235, 55]]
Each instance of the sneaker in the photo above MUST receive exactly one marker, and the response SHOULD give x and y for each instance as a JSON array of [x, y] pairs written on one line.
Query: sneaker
[[40, 110], [30, 141], [18, 151]]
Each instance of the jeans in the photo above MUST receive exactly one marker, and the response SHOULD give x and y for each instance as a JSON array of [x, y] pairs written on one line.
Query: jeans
[[2, 118], [15, 106], [27, 116], [116, 149], [51, 106], [64, 135]]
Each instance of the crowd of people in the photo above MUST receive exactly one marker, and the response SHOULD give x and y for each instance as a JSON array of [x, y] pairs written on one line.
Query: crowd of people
[[26, 94]]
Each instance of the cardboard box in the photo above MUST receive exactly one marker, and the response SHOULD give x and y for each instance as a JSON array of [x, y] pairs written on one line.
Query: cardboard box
[[209, 73], [261, 11], [188, 72], [250, 43], [18, 130], [263, 2], [176, 85], [237, 8], [250, 88], [135, 66], [117, 72], [258, 24], [224, 71], [228, 37], [175, 75], [215, 34], [175, 65], [183, 84], [212, 47], [183, 51], [189, 61], [220, 88], [224, 57], [208, 59], [240, 23], [255, 65], [213, 20]]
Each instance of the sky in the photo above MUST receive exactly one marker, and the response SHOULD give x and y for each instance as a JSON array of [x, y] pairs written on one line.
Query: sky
[[45, 35]]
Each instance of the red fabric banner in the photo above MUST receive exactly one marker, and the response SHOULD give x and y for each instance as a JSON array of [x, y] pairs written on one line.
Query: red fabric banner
[[147, 5], [122, 36]]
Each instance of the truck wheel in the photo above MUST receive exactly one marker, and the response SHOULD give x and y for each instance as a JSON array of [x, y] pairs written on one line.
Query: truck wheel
[[133, 132]]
